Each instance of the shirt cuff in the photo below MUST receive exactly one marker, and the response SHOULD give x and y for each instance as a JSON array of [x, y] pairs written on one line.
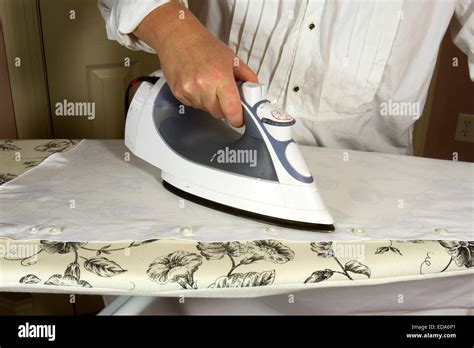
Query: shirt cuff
[[125, 18]]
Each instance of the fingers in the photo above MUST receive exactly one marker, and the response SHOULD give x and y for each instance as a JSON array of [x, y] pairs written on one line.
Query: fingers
[[193, 90], [200, 93], [220, 97], [229, 96], [211, 104], [215, 91], [242, 72], [229, 101], [222, 100], [179, 94]]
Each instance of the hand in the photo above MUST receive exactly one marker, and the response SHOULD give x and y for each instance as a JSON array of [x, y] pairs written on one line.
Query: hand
[[201, 70]]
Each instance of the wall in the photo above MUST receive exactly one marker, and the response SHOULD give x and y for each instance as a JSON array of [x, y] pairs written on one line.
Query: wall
[[453, 94]]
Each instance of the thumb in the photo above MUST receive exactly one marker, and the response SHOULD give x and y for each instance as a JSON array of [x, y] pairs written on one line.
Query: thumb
[[242, 72]]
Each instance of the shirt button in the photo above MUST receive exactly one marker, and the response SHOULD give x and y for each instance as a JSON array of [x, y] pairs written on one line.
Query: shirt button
[[296, 89], [312, 26]]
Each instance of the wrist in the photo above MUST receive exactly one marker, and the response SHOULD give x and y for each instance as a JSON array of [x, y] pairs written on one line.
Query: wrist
[[163, 23]]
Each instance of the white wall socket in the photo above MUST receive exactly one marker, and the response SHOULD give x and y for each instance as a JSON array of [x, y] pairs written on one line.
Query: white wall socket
[[465, 128]]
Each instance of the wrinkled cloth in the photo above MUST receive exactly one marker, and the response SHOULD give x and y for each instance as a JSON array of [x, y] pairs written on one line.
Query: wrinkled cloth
[[94, 193], [355, 73], [433, 276]]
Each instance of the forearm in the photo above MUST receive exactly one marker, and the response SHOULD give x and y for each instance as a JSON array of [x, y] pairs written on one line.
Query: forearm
[[167, 22]]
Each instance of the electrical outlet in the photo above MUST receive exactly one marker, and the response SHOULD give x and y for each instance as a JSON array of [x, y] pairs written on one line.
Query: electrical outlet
[[465, 128]]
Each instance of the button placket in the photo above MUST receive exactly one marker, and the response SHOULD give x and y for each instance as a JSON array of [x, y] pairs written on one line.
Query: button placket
[[307, 44]]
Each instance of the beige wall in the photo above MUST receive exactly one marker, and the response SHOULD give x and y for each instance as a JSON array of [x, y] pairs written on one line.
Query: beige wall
[[453, 94], [7, 116]]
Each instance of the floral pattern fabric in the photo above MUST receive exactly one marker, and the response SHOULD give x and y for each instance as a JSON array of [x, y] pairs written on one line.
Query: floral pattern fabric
[[159, 266], [17, 156], [177, 266]]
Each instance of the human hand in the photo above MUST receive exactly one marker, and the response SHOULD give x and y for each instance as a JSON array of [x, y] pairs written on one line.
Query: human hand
[[200, 70]]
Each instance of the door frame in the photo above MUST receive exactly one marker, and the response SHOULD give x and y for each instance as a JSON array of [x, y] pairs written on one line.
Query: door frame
[[21, 23]]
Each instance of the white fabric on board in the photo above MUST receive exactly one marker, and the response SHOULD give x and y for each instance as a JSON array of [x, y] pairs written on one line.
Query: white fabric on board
[[92, 193]]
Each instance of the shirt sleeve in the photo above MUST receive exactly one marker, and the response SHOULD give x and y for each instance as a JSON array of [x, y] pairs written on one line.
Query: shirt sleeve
[[122, 17], [463, 31]]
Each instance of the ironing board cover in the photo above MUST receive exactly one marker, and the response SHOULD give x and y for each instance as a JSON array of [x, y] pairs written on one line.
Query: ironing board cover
[[176, 267]]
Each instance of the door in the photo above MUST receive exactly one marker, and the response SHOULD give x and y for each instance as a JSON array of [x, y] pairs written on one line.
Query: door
[[87, 74]]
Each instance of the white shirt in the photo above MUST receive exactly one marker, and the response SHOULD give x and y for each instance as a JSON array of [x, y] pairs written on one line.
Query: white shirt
[[355, 74]]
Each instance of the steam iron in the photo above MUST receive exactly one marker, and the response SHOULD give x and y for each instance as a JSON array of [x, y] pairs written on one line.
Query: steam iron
[[259, 174]]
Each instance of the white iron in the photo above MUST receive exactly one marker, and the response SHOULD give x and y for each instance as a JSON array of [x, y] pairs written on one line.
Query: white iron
[[259, 174]]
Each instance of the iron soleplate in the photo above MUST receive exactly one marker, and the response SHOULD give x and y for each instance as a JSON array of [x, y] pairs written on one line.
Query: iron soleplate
[[247, 214]]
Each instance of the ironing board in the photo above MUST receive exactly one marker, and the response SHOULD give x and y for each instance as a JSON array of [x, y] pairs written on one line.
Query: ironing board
[[187, 266]]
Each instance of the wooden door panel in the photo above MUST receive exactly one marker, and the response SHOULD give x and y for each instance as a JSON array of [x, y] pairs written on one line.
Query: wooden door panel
[[84, 66], [106, 85], [26, 69]]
